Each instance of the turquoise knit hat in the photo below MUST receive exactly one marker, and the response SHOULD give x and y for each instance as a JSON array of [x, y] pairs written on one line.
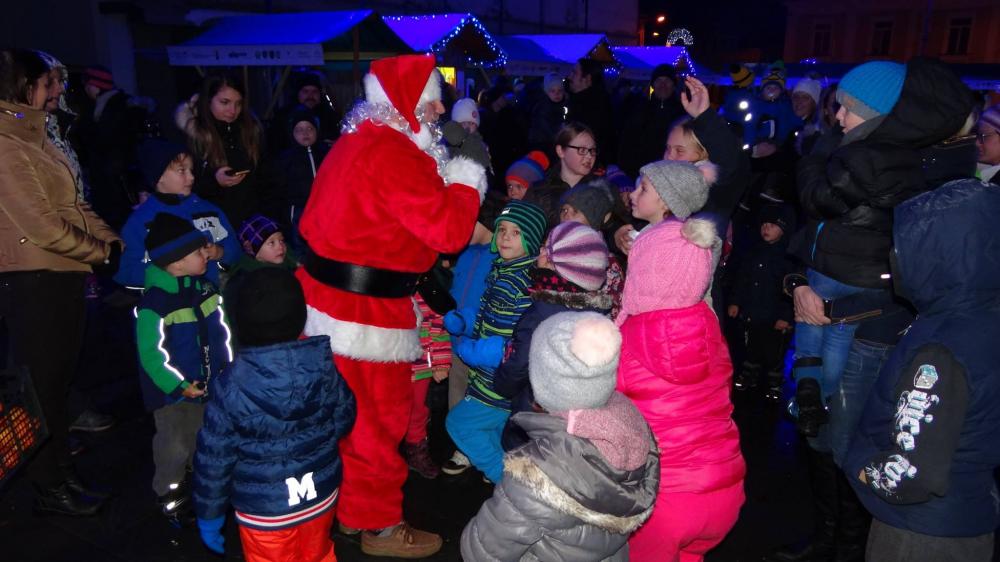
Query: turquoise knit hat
[[530, 218], [871, 89]]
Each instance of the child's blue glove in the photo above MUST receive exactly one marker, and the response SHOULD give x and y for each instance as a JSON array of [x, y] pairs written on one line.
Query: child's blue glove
[[481, 353], [211, 533], [454, 322]]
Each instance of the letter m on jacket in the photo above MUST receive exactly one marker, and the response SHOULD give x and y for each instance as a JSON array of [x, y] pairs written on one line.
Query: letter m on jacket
[[299, 490]]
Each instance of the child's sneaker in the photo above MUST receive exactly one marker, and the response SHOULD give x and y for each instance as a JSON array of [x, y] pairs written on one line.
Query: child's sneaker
[[457, 464], [775, 382], [746, 378], [418, 457], [176, 506]]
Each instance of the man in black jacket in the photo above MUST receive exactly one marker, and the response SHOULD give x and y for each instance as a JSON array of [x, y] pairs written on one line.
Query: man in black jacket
[[648, 121]]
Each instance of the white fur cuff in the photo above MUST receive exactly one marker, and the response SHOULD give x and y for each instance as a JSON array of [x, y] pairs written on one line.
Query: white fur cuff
[[466, 172]]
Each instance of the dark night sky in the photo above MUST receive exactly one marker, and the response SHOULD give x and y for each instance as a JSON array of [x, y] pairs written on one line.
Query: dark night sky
[[725, 26]]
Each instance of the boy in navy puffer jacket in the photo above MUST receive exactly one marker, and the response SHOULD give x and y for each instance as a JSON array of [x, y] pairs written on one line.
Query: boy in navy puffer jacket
[[269, 444]]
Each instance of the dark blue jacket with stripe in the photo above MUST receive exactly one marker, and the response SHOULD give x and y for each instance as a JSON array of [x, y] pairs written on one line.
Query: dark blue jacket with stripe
[[181, 334], [269, 443]]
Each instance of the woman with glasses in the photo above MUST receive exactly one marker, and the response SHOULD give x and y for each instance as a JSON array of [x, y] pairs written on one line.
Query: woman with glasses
[[576, 150]]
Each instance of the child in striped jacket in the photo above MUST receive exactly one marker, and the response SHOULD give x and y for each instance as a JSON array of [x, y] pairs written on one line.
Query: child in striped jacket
[[477, 423]]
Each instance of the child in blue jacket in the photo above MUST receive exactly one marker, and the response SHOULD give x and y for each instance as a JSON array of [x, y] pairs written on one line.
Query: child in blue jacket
[[166, 169], [269, 445], [477, 422]]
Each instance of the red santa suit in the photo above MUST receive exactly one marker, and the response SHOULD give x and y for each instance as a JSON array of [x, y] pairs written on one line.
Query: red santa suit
[[384, 204]]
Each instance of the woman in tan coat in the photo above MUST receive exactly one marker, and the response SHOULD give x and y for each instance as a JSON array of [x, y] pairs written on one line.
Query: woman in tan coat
[[49, 241]]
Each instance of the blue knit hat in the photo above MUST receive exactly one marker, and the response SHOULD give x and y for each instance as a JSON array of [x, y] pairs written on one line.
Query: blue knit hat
[[871, 89], [531, 220]]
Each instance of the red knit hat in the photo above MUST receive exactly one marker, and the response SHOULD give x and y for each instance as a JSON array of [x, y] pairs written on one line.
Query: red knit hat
[[405, 82]]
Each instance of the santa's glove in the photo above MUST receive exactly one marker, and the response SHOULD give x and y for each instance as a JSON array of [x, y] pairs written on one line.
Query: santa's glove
[[481, 353], [466, 172], [211, 533]]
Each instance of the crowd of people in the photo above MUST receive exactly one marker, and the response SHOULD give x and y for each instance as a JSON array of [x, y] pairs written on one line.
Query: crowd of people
[[594, 274]]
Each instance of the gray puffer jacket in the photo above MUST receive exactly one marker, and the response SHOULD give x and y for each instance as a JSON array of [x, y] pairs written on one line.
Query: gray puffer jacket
[[560, 500]]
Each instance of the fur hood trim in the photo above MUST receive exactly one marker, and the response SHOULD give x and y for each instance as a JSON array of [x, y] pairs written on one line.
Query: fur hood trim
[[524, 470], [577, 301]]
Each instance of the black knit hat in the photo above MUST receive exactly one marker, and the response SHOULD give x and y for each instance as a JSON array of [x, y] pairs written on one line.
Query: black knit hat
[[270, 307], [592, 198], [170, 238], [153, 157], [667, 70], [781, 215]]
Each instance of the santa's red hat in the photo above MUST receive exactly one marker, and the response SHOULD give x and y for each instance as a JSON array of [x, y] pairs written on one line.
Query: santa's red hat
[[405, 82]]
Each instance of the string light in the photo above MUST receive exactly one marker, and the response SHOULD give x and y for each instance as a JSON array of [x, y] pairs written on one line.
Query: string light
[[498, 59], [680, 35]]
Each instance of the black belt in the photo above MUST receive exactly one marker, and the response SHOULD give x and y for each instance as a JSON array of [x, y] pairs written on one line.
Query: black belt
[[360, 279]]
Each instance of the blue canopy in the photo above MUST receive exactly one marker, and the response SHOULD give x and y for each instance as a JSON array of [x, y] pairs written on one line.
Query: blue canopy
[[306, 38], [536, 55]]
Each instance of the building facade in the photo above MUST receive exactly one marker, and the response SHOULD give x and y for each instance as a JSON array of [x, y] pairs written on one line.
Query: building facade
[[957, 31]]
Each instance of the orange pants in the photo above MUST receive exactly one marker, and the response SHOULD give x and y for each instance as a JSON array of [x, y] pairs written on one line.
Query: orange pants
[[306, 542], [371, 494]]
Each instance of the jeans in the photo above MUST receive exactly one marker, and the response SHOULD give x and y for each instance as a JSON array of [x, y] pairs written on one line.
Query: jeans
[[476, 429], [889, 544], [864, 362], [830, 343]]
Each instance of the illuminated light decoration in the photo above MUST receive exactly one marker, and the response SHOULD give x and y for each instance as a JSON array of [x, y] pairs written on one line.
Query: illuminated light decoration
[[746, 147], [744, 105], [682, 36], [19, 432], [748, 118], [809, 61], [661, 19], [414, 29], [656, 34], [448, 73]]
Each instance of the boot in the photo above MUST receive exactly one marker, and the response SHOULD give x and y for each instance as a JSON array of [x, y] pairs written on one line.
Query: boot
[[402, 542], [746, 379], [853, 522], [775, 382], [821, 548], [61, 500], [812, 412], [177, 507], [418, 457]]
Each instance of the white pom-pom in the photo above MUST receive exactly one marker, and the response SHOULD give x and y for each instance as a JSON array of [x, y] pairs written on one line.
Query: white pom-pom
[[700, 232], [596, 341], [709, 171]]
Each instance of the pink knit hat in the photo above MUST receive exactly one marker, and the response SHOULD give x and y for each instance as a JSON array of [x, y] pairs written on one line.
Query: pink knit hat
[[670, 266]]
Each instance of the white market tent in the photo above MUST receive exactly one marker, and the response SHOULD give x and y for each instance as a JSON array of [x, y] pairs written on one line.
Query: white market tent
[[537, 55]]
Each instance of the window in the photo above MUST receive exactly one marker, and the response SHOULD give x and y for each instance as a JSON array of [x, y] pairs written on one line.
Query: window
[[821, 39], [959, 30], [881, 38]]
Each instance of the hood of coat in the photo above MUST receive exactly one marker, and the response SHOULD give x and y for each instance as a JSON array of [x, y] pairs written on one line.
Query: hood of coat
[[618, 501], [947, 248], [933, 105], [583, 300], [285, 380]]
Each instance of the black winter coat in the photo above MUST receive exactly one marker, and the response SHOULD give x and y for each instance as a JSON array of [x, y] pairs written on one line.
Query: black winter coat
[[758, 288], [293, 176], [644, 134], [546, 119], [240, 201], [547, 192], [592, 107], [724, 151], [849, 195]]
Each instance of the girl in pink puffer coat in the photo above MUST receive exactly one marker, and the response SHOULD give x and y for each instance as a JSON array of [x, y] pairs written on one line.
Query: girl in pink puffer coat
[[676, 369]]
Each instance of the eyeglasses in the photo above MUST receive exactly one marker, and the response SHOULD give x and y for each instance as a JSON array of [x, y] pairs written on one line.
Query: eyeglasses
[[583, 150], [981, 137]]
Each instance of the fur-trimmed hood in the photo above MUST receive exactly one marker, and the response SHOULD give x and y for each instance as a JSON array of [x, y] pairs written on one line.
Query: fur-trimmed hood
[[614, 500], [577, 301]]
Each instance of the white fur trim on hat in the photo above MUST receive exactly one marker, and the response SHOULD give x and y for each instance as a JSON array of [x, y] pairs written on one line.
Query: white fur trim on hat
[[375, 93], [432, 90], [364, 342], [700, 232], [465, 171]]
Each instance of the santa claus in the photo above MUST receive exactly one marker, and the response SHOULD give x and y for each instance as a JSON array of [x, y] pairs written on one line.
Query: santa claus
[[385, 202]]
